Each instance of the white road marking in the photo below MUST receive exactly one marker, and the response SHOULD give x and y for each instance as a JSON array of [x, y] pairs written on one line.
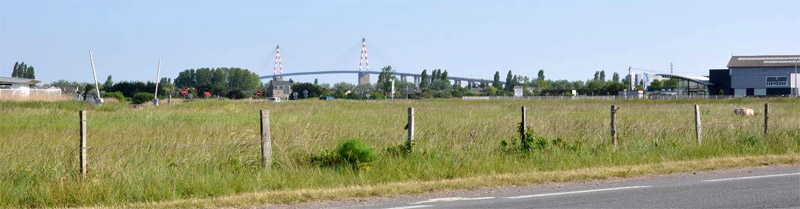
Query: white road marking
[[412, 206], [752, 177], [450, 199], [577, 192]]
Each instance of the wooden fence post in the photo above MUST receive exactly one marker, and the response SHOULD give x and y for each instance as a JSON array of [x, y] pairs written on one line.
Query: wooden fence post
[[614, 126], [266, 144], [522, 125], [82, 115], [698, 128], [410, 127], [766, 119]]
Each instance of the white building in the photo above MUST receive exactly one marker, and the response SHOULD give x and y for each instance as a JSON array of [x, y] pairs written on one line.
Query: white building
[[17, 88]]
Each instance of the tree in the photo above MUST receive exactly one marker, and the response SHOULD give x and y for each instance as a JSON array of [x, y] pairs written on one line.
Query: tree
[[509, 81], [602, 76], [16, 70], [343, 86], [21, 70], [614, 87], [108, 84], [316, 82], [440, 85], [615, 77], [314, 91], [540, 76], [165, 87], [496, 84], [423, 84], [203, 80], [385, 79], [443, 76], [219, 83]]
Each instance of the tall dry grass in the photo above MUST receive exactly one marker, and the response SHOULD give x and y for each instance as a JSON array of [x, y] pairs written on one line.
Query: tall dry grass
[[209, 148]]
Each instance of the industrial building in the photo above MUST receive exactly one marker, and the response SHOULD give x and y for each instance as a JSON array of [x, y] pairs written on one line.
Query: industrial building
[[764, 75], [771, 75]]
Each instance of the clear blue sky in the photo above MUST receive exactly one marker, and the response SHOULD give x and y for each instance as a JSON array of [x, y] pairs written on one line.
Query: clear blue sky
[[568, 39]]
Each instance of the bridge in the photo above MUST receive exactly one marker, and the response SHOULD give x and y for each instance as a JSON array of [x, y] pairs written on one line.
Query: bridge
[[403, 77], [363, 75]]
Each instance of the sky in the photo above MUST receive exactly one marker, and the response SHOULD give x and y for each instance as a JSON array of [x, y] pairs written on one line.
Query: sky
[[567, 39]]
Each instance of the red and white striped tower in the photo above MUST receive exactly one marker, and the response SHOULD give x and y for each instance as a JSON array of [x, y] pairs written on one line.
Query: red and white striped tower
[[363, 75], [278, 62], [364, 60]]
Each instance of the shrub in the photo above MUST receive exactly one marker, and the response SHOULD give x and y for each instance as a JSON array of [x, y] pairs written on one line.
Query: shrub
[[534, 142], [142, 97], [752, 141], [354, 153], [376, 95], [398, 150], [116, 95], [443, 95], [236, 94]]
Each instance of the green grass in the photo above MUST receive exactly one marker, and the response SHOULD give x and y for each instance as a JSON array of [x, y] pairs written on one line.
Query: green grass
[[208, 149]]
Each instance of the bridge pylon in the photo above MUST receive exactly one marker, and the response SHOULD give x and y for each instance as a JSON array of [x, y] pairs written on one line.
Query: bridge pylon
[[278, 64], [363, 75]]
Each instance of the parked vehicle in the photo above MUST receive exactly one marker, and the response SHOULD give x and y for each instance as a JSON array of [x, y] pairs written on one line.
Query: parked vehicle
[[275, 99]]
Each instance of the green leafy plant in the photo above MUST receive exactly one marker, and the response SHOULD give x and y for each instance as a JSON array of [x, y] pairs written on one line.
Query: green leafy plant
[[752, 141], [354, 153], [142, 97], [116, 95], [399, 150]]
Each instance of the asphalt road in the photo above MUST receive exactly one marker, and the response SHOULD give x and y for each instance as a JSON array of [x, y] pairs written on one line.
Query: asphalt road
[[760, 187]]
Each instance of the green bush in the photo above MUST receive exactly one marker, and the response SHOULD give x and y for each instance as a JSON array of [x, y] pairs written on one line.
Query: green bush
[[534, 142], [376, 95], [443, 95], [142, 97], [117, 95], [753, 141], [354, 153], [236, 94]]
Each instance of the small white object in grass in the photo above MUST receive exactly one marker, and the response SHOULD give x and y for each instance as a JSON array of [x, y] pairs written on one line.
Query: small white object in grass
[[743, 111]]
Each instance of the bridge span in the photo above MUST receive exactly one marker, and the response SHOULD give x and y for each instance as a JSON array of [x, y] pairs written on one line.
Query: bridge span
[[401, 75]]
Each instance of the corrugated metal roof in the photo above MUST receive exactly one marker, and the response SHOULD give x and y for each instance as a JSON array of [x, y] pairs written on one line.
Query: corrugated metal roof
[[18, 80], [764, 61], [696, 78]]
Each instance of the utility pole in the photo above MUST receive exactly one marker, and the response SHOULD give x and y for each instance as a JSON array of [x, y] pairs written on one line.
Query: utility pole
[[670, 69], [98, 100], [158, 80]]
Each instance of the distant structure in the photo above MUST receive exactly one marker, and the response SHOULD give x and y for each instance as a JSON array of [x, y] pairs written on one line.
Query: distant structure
[[363, 75], [23, 88], [280, 89], [363, 72], [761, 75], [278, 64]]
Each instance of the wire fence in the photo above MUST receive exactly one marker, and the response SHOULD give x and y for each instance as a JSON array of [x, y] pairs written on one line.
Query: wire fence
[[583, 97], [256, 138]]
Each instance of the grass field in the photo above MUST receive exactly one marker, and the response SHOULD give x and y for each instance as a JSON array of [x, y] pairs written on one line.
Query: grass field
[[209, 149]]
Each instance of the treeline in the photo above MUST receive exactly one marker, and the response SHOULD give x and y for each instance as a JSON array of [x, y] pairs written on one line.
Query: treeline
[[437, 85], [232, 82], [22, 70]]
